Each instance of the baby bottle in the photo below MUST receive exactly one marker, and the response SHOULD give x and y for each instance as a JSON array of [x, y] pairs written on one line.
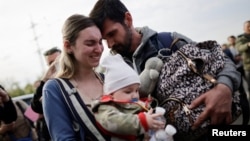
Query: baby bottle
[[164, 135], [161, 118]]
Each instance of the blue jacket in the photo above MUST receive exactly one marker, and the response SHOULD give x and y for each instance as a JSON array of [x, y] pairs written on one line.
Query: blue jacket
[[59, 118]]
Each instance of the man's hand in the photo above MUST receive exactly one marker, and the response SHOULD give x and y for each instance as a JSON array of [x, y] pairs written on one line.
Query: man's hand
[[218, 102], [7, 127]]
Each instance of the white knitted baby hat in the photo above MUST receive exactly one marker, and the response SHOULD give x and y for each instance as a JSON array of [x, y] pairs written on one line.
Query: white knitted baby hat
[[118, 74]]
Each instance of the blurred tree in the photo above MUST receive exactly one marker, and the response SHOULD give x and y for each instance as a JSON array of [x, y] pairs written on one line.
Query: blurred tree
[[16, 90], [29, 88]]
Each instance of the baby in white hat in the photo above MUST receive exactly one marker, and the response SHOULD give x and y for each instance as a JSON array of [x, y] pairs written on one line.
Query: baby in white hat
[[119, 112]]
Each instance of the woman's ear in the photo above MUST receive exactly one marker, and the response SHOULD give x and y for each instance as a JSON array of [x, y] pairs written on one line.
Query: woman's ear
[[67, 47]]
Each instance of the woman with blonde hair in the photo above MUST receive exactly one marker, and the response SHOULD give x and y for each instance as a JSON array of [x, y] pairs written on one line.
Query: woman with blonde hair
[[82, 50]]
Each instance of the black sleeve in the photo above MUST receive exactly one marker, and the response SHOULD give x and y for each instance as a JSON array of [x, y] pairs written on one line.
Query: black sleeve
[[36, 104], [8, 112]]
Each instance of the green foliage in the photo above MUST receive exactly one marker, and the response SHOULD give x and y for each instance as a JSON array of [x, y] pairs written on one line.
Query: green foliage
[[16, 90], [29, 89]]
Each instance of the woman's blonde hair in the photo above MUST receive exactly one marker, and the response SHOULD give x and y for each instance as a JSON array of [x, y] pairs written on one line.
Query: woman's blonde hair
[[70, 32]]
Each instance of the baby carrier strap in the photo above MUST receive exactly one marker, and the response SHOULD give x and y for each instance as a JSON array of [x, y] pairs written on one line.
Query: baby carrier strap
[[77, 110]]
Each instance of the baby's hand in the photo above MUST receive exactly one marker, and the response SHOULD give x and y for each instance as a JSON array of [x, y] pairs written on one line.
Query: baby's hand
[[153, 120]]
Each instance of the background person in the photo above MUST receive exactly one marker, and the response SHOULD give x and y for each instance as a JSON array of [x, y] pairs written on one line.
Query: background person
[[8, 113], [236, 55], [227, 51], [14, 125], [243, 46], [239, 65], [51, 58]]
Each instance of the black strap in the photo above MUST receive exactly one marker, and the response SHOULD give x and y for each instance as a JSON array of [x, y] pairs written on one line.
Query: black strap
[[169, 45], [79, 112], [165, 38]]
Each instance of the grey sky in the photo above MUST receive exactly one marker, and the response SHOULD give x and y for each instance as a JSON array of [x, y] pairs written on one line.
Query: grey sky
[[197, 19]]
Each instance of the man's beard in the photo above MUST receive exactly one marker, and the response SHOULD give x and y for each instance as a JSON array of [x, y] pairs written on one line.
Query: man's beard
[[124, 48]]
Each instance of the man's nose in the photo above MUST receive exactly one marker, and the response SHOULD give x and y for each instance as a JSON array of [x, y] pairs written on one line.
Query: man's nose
[[110, 43]]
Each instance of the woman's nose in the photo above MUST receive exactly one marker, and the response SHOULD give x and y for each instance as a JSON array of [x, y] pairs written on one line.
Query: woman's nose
[[99, 48]]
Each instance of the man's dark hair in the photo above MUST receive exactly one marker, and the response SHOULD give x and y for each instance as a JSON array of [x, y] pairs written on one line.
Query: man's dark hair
[[244, 22], [108, 9], [51, 51]]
